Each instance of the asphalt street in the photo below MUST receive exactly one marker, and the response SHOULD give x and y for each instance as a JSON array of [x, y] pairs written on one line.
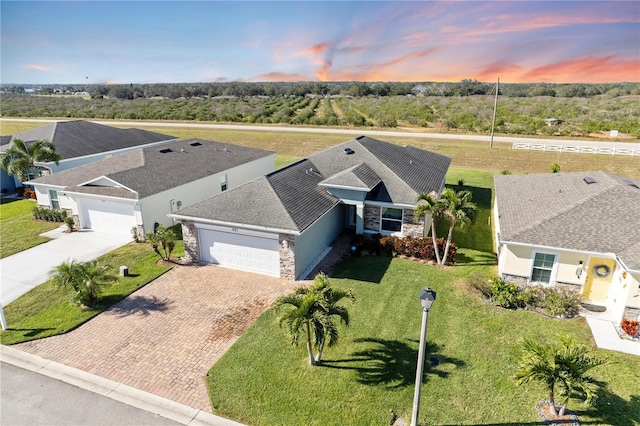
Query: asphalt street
[[31, 399]]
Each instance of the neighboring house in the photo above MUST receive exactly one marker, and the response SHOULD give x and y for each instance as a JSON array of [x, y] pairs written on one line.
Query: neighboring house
[[281, 224], [580, 230], [81, 142], [141, 187]]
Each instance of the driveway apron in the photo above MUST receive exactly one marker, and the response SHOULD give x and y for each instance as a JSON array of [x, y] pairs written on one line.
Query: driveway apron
[[164, 338], [30, 268]]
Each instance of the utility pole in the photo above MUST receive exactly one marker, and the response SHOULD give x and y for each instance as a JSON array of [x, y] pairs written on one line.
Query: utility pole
[[495, 108]]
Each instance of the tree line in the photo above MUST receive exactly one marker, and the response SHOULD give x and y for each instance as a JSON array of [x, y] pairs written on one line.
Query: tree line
[[466, 87], [576, 116]]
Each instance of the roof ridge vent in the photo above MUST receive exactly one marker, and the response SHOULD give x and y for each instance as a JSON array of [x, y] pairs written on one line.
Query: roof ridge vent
[[630, 183], [195, 144], [166, 150], [589, 180]]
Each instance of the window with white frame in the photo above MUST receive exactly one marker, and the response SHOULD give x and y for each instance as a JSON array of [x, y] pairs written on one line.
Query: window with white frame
[[542, 267], [53, 196], [223, 182], [391, 219]]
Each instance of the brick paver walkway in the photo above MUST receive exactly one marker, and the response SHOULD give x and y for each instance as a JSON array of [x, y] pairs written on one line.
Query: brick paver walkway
[[163, 338]]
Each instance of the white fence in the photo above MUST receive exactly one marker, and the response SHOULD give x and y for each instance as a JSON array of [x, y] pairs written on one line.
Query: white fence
[[573, 148]]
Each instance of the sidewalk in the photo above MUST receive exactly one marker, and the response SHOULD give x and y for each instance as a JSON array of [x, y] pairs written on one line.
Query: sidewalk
[[126, 394], [606, 337]]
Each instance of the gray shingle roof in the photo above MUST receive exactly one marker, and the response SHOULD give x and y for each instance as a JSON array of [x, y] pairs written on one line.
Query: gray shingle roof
[[562, 210], [360, 176], [79, 138], [292, 199], [151, 170]]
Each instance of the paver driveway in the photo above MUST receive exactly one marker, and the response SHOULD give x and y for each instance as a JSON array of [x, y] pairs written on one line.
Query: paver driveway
[[164, 338]]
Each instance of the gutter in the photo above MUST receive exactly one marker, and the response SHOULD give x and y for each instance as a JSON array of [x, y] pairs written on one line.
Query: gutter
[[233, 225], [598, 253]]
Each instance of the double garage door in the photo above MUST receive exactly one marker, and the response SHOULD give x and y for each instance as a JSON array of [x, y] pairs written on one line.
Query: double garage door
[[106, 216], [241, 249]]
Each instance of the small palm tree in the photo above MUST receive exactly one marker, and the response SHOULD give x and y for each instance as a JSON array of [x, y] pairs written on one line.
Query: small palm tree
[[163, 241], [20, 158], [330, 297], [563, 366], [310, 311], [87, 280], [458, 209], [428, 203]]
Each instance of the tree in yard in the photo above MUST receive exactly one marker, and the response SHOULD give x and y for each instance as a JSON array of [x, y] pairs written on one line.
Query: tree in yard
[[563, 366], [428, 203], [20, 158], [163, 241], [87, 280], [457, 208], [311, 311]]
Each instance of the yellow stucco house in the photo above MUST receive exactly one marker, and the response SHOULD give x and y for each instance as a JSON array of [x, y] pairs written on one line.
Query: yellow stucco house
[[580, 230]]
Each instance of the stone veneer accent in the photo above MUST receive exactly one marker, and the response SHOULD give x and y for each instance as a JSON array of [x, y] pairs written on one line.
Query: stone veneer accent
[[411, 228], [190, 238], [632, 314], [371, 218], [287, 256], [75, 217]]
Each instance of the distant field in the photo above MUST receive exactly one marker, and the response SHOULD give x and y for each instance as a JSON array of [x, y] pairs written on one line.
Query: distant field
[[465, 154]]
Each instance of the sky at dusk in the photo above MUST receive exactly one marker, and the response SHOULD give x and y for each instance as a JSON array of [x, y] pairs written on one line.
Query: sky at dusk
[[208, 41]]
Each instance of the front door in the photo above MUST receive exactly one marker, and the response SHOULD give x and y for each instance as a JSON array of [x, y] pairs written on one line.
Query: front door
[[598, 280]]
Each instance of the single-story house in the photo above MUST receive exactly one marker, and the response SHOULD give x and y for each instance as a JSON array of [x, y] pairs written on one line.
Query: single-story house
[[281, 224], [81, 142], [141, 187], [580, 230]]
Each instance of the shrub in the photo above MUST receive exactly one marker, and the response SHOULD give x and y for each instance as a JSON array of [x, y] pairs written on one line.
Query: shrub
[[555, 168], [390, 245], [29, 193], [505, 294], [69, 222], [49, 215], [560, 302], [630, 326]]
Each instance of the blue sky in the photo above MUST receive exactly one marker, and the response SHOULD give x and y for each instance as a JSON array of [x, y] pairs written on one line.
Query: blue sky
[[207, 41]]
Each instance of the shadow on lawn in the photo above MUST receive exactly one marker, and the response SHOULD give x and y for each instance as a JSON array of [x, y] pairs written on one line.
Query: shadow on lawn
[[479, 258], [31, 332], [608, 408], [366, 268], [391, 363], [140, 305]]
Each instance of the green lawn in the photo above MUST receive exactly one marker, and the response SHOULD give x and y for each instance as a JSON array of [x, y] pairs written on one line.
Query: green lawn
[[263, 380], [45, 311], [18, 230]]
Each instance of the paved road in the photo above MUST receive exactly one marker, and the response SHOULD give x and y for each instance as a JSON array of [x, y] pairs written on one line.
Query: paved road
[[481, 138], [32, 399], [23, 271]]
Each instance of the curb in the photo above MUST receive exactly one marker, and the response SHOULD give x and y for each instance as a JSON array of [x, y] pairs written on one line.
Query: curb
[[164, 407]]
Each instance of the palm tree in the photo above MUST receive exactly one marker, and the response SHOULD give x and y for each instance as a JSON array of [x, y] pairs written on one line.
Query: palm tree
[[330, 297], [458, 208], [428, 203], [87, 279], [311, 311], [563, 365], [20, 159]]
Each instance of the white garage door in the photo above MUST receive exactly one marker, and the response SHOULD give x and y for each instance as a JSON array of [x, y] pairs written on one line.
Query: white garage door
[[107, 216], [241, 249]]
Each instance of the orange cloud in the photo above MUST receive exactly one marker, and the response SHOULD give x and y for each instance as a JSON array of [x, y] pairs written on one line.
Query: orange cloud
[[499, 69], [317, 49], [611, 69], [279, 76], [38, 67]]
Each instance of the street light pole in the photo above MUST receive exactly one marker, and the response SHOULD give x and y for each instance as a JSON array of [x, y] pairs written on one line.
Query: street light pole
[[427, 297]]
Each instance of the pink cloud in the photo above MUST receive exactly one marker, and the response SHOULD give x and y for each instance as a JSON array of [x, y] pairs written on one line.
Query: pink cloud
[[591, 69], [279, 76], [38, 67]]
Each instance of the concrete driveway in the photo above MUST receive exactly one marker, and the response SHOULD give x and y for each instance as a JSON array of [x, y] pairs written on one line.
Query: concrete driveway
[[164, 337], [25, 270]]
